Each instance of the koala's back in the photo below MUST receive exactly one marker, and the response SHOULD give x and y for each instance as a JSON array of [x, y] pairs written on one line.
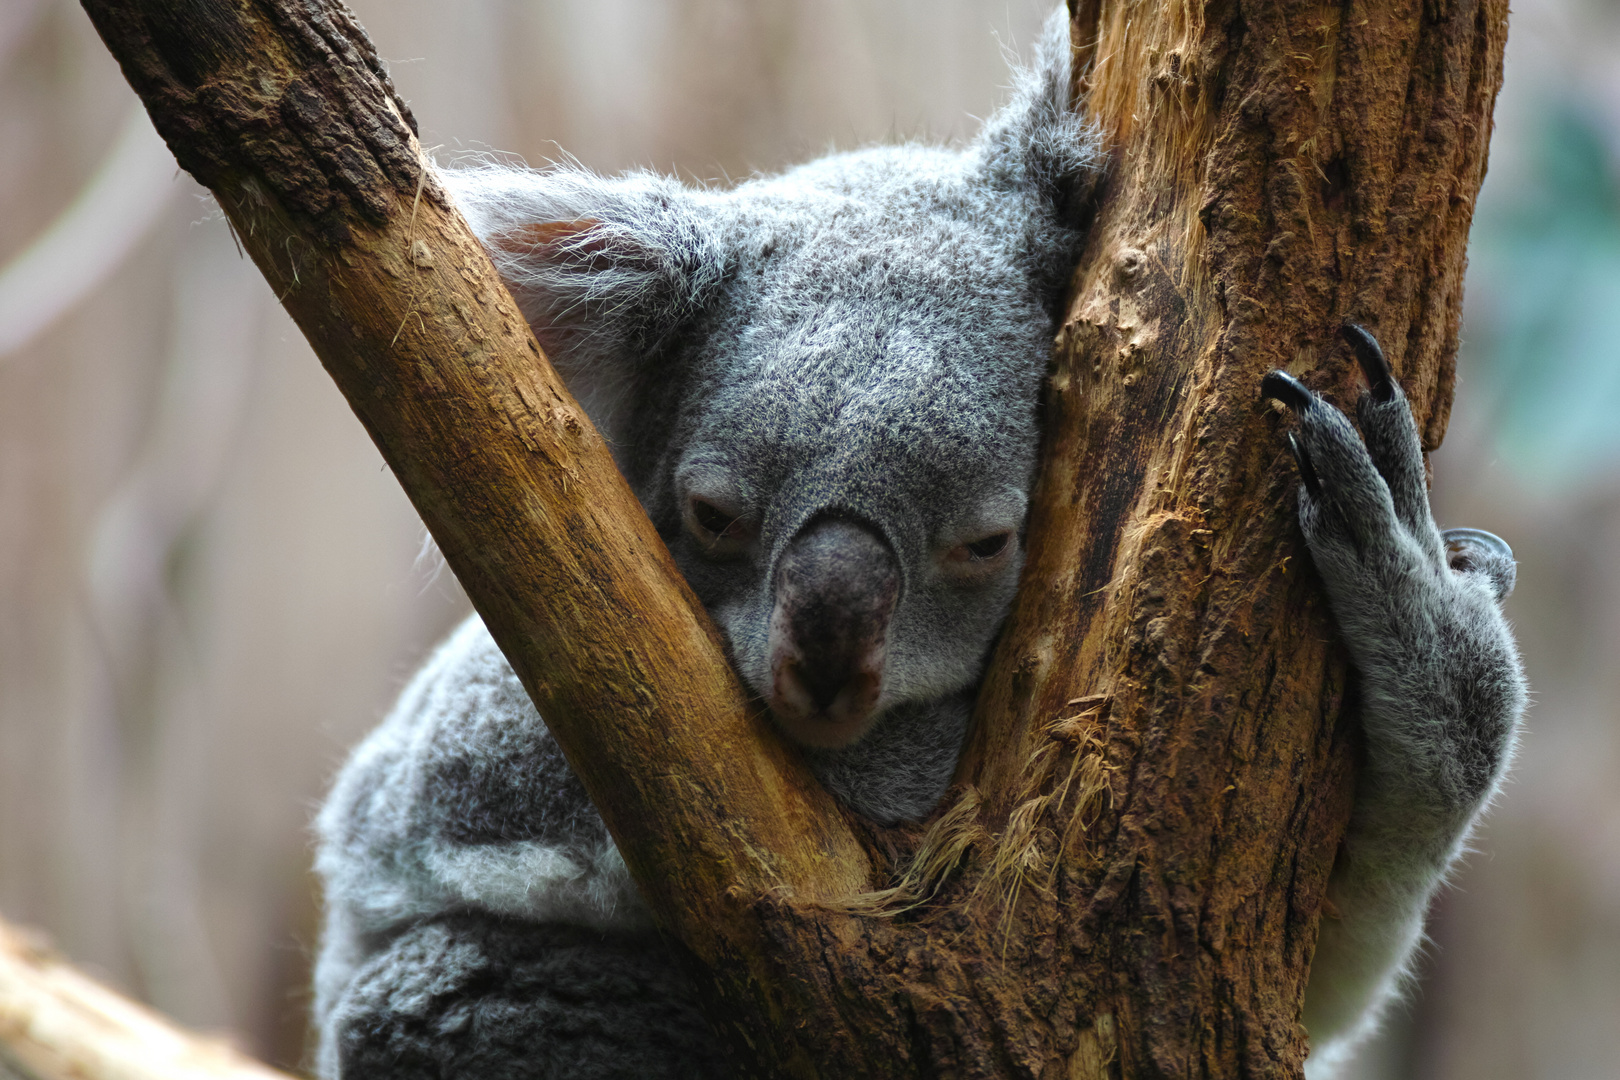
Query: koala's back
[[460, 800]]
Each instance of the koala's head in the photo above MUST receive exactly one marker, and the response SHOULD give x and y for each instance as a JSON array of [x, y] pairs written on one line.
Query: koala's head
[[823, 385]]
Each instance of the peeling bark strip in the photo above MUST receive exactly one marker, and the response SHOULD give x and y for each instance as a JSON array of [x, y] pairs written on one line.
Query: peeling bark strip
[[1130, 882]]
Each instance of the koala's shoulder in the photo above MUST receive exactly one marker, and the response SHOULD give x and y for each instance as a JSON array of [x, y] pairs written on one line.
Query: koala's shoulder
[[463, 758]]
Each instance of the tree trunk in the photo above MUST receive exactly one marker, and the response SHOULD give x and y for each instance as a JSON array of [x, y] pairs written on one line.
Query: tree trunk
[[1129, 879]]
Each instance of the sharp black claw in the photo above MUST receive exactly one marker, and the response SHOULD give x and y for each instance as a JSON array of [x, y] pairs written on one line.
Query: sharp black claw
[[1294, 394], [1286, 389], [1370, 355], [1307, 471], [1456, 538]]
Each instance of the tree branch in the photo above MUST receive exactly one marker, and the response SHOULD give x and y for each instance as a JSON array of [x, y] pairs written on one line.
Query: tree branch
[[284, 111]]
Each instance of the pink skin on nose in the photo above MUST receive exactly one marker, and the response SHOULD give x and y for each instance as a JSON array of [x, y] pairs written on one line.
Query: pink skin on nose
[[836, 589]]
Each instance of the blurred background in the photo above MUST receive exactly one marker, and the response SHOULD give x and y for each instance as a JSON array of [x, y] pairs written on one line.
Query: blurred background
[[210, 585]]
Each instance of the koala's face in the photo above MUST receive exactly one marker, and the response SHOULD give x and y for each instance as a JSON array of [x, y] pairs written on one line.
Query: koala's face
[[823, 386], [855, 556], [849, 475]]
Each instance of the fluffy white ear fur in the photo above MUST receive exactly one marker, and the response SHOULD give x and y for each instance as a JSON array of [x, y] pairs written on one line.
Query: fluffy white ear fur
[[1039, 140], [605, 269]]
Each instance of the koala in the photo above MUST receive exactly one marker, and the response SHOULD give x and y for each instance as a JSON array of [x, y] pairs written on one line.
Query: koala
[[823, 387]]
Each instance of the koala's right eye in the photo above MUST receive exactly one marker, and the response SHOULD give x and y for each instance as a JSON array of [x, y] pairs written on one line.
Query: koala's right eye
[[714, 520], [722, 531]]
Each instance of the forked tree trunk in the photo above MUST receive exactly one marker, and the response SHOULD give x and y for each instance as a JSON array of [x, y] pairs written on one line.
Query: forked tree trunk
[[1129, 881]]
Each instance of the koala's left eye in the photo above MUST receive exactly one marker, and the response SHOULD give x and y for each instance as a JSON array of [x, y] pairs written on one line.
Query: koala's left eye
[[989, 547], [986, 549], [715, 520]]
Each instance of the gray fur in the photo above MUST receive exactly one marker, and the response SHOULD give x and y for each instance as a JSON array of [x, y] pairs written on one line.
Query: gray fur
[[862, 338], [468, 996], [461, 803], [1442, 691]]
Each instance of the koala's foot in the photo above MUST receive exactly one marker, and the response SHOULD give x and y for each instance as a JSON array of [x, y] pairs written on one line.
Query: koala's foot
[[1379, 497], [1418, 609], [1442, 688], [471, 997]]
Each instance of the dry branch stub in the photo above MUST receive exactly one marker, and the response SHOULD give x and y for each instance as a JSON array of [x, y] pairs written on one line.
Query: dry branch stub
[[56, 1023], [1129, 881]]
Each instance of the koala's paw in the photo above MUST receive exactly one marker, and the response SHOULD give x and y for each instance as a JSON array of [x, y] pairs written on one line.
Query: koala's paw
[[1419, 609], [1363, 502]]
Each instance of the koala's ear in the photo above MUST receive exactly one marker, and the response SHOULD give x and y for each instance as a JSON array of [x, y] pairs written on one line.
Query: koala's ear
[[605, 269], [1037, 143]]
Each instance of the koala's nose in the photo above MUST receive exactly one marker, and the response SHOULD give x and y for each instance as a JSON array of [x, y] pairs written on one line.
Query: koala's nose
[[836, 588]]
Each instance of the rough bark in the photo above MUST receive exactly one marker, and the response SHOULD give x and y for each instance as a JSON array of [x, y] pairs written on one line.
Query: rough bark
[[1129, 882], [1281, 168]]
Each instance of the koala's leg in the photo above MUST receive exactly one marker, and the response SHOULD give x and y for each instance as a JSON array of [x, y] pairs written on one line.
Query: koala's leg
[[473, 997], [1441, 687]]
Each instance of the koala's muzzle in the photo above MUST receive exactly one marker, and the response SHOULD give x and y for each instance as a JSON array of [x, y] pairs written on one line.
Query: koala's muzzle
[[836, 588]]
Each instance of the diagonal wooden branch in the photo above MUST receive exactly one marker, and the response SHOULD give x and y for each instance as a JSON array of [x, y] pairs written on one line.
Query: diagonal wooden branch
[[284, 112], [1130, 882]]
